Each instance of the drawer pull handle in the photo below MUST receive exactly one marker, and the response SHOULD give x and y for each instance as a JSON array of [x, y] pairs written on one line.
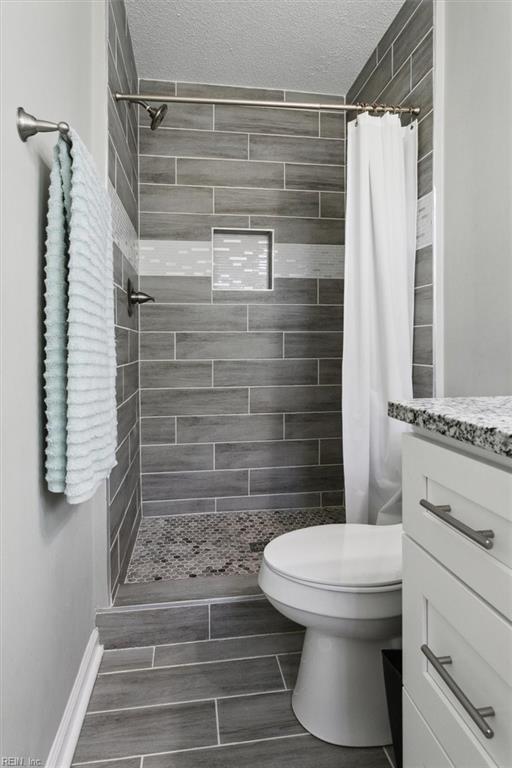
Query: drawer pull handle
[[477, 714], [483, 538]]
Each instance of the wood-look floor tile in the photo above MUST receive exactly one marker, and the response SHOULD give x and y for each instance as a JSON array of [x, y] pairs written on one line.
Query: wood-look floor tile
[[244, 718], [237, 648], [296, 752], [112, 735], [289, 663], [126, 658], [167, 685]]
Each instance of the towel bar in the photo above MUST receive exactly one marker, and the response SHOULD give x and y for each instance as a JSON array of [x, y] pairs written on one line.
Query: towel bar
[[28, 126]]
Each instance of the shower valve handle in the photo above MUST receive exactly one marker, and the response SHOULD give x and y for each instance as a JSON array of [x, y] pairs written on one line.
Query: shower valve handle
[[135, 297]]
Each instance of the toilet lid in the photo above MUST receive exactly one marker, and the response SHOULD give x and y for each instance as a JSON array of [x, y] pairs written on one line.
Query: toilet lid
[[339, 555]]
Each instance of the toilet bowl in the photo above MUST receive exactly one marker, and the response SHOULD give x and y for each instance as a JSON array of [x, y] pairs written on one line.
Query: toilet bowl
[[343, 583]]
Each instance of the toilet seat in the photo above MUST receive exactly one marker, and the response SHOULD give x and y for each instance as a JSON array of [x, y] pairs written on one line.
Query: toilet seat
[[339, 557]]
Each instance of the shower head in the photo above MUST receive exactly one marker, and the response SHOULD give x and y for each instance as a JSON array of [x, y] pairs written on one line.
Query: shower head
[[156, 115]]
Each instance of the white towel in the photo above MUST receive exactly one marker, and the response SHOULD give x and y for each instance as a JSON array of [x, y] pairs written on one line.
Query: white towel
[[80, 348]]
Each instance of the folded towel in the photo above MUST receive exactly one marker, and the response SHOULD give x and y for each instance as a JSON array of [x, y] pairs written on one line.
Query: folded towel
[[80, 365]]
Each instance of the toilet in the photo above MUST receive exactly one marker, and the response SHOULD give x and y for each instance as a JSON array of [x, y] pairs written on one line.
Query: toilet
[[344, 584]]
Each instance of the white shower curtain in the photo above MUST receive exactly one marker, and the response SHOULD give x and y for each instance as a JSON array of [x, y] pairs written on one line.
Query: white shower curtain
[[378, 314]]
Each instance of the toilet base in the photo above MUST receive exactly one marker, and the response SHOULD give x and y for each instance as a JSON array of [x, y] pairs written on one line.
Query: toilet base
[[339, 695]]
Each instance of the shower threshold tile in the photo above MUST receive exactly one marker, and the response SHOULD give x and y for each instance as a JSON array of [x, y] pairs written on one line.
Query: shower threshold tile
[[174, 590], [207, 545]]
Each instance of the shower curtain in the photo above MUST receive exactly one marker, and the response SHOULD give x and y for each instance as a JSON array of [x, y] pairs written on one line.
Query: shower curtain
[[378, 314]]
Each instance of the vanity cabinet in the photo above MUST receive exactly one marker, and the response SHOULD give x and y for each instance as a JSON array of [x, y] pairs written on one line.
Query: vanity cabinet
[[457, 607]]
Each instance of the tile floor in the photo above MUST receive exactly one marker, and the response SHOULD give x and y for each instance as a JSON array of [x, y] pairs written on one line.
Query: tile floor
[[189, 546], [208, 704]]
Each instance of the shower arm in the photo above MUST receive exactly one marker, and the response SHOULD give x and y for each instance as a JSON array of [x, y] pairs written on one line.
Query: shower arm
[[137, 98]]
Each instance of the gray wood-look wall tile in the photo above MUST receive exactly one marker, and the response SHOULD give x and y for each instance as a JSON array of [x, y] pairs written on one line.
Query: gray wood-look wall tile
[[156, 346], [126, 417], [121, 468], [302, 230], [205, 91], [378, 79], [332, 125], [248, 617], [330, 371], [422, 95], [130, 629], [330, 178], [195, 116], [159, 373], [121, 345], [186, 226], [266, 120], [398, 23], [185, 402], [169, 685], [175, 289], [291, 149], [423, 59], [423, 275], [306, 425], [230, 173], [294, 399], [300, 751], [425, 175], [267, 202], [295, 318], [158, 430], [272, 501], [289, 479], [333, 499], [330, 291], [156, 87], [206, 429], [327, 344], [332, 205], [286, 290], [423, 305], [183, 143], [362, 77], [138, 731], [127, 658], [157, 170], [131, 379], [426, 135], [169, 198], [121, 500], [180, 507], [422, 380], [173, 458], [193, 317], [266, 715], [192, 485], [229, 346], [264, 372], [275, 453], [399, 86], [422, 347], [416, 28], [331, 451]]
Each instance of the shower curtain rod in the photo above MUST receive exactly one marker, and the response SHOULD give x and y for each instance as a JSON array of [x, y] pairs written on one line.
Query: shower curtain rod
[[359, 107]]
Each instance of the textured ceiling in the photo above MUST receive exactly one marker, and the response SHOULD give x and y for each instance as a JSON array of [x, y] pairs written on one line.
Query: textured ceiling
[[302, 45]]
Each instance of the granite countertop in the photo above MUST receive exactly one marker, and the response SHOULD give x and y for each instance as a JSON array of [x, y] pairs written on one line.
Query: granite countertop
[[482, 421]]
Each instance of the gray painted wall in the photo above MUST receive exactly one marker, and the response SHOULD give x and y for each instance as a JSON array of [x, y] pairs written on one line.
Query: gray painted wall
[[54, 555], [475, 251], [124, 481], [240, 390], [400, 71]]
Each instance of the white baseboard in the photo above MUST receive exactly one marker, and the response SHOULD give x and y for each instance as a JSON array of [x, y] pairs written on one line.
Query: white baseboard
[[64, 743]]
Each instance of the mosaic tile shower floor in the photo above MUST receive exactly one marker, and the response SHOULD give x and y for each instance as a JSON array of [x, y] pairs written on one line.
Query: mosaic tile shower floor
[[187, 546]]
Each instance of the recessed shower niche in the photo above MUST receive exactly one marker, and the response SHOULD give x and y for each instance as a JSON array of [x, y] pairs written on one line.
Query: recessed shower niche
[[242, 259]]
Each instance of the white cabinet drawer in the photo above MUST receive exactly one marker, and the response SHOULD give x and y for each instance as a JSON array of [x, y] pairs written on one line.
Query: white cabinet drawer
[[479, 495], [421, 748], [443, 614]]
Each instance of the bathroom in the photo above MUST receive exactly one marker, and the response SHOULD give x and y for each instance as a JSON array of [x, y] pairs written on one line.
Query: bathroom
[[257, 402]]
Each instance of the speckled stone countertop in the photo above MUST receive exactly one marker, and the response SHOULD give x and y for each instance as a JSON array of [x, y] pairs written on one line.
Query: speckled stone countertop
[[482, 421]]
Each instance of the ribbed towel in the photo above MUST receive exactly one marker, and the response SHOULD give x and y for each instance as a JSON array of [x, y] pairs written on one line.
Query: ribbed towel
[[80, 365]]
